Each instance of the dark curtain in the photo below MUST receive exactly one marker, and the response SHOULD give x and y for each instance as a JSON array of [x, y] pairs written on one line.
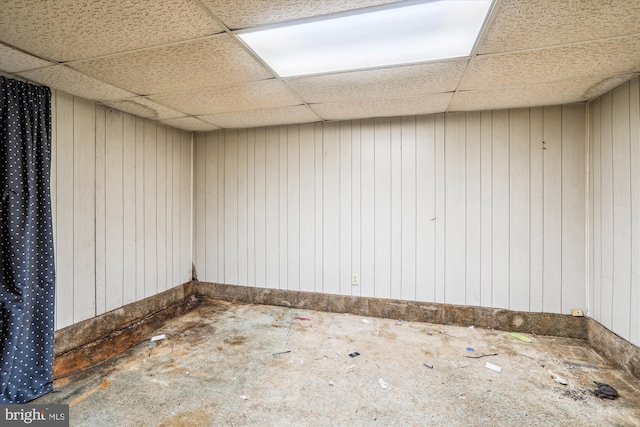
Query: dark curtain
[[27, 273]]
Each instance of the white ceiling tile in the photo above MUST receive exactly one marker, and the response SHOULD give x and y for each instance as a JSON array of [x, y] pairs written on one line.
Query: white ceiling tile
[[74, 82], [12, 60], [171, 52], [598, 58], [190, 124], [246, 96], [237, 14], [427, 104], [411, 80], [213, 61], [268, 117], [144, 107], [537, 23], [66, 30], [535, 95]]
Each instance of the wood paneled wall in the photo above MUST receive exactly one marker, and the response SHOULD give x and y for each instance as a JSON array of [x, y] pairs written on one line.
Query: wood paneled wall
[[483, 208], [121, 199], [614, 207]]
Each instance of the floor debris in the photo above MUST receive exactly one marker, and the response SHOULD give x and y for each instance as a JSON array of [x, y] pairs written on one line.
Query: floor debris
[[428, 365], [521, 337], [382, 383], [158, 337], [605, 391], [493, 367], [354, 354], [282, 352], [558, 379], [482, 355], [580, 364]]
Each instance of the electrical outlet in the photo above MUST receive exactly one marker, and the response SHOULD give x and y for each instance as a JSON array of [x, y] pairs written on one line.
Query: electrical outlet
[[355, 279], [577, 312]]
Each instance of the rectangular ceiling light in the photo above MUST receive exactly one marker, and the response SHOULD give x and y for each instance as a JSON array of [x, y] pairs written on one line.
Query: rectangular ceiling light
[[401, 33]]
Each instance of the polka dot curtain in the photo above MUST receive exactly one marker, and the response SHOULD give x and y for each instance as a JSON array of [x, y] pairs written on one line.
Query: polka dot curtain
[[27, 274]]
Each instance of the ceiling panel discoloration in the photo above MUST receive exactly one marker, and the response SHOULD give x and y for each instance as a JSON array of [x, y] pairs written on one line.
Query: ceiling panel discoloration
[[189, 123], [74, 82], [352, 110], [534, 95], [144, 107], [268, 117]]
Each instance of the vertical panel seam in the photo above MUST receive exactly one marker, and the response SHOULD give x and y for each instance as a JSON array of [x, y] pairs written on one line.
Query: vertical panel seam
[[543, 212], [529, 202], [631, 187], [73, 197], [236, 207], [481, 194], [600, 207], [415, 217], [444, 208], [492, 197], [466, 195], [613, 211], [373, 205], [587, 207], [339, 239], [509, 206], [562, 173], [392, 125], [435, 208], [630, 213], [529, 197], [360, 207], [155, 124], [122, 288]]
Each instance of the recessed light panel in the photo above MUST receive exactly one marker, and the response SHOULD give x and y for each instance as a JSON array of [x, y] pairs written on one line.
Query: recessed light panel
[[403, 33]]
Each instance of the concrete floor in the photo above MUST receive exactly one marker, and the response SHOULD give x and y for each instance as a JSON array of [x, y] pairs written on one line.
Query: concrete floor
[[218, 366]]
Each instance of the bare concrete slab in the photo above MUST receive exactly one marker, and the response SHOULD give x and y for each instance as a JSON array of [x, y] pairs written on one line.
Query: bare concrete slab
[[226, 363]]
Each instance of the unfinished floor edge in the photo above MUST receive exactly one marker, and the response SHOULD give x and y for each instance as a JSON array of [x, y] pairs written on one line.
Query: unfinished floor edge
[[614, 347], [84, 334], [416, 311], [90, 330]]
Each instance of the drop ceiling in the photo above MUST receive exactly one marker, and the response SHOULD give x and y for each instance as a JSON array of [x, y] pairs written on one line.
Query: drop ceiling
[[181, 63]]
